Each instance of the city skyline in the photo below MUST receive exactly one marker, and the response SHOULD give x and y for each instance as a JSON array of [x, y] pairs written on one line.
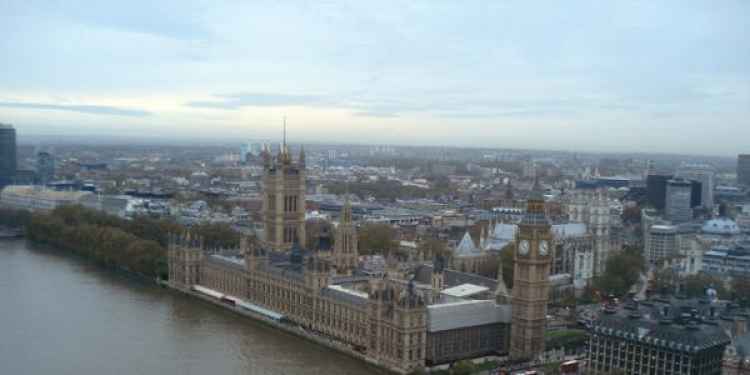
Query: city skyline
[[587, 77]]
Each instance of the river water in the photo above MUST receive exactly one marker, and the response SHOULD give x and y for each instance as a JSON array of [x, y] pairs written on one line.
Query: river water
[[64, 315]]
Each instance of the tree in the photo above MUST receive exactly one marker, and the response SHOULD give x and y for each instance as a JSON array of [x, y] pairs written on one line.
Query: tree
[[218, 235], [432, 247], [377, 238], [623, 271], [14, 218], [696, 285], [741, 288], [632, 214], [464, 367], [552, 368], [664, 281]]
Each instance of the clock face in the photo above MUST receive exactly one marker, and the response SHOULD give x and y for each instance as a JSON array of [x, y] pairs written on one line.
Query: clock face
[[543, 248], [523, 247]]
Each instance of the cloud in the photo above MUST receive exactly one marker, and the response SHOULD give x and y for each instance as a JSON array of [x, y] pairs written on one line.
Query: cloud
[[240, 100], [81, 108], [376, 113], [155, 18], [445, 105]]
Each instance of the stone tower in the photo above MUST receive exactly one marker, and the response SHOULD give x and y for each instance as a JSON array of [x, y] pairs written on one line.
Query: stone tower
[[345, 253], [184, 257], [532, 262], [502, 296], [283, 199]]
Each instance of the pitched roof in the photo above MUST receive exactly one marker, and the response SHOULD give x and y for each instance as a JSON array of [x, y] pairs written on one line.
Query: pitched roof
[[448, 316], [467, 248]]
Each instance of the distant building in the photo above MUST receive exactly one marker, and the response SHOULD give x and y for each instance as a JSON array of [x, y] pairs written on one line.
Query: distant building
[[45, 167], [743, 169], [696, 194], [36, 198], [332, 155], [705, 175], [677, 205], [662, 243], [24, 177], [573, 253], [7, 154], [728, 261], [250, 150], [656, 190], [593, 209]]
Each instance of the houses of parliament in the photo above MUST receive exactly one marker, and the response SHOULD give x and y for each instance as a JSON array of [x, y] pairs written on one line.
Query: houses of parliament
[[401, 320]]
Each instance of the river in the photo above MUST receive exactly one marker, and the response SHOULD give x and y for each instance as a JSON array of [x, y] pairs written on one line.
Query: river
[[62, 315]]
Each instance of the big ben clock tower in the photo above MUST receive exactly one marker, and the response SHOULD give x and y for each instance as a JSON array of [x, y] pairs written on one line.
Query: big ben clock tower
[[531, 269]]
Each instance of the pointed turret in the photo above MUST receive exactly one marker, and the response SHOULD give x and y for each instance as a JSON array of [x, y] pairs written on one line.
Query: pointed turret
[[482, 238], [266, 157], [302, 157], [346, 211], [502, 296], [345, 252]]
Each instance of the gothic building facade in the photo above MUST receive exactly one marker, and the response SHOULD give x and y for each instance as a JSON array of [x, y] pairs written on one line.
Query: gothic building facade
[[397, 320], [593, 209], [283, 199]]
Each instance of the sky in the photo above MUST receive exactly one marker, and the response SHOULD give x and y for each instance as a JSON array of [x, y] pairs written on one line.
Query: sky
[[650, 76]]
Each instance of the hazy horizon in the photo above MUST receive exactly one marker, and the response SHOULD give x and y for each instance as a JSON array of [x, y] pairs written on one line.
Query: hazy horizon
[[670, 77]]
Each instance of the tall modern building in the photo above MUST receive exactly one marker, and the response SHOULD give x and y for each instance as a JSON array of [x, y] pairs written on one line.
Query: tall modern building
[[656, 190], [283, 199], [696, 194], [45, 167], [704, 174], [743, 169], [7, 154], [530, 293], [677, 205]]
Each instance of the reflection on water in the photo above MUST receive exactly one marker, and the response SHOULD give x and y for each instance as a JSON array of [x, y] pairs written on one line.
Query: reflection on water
[[63, 315]]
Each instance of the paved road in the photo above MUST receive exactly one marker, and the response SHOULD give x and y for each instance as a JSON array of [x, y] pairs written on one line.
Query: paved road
[[641, 295]]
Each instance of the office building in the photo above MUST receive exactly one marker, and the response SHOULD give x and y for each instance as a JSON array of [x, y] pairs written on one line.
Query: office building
[[705, 175], [743, 169], [696, 194], [728, 260], [662, 243], [45, 167], [7, 155], [677, 202], [656, 190]]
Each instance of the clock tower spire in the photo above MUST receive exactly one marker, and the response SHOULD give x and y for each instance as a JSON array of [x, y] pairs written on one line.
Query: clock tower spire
[[531, 268]]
